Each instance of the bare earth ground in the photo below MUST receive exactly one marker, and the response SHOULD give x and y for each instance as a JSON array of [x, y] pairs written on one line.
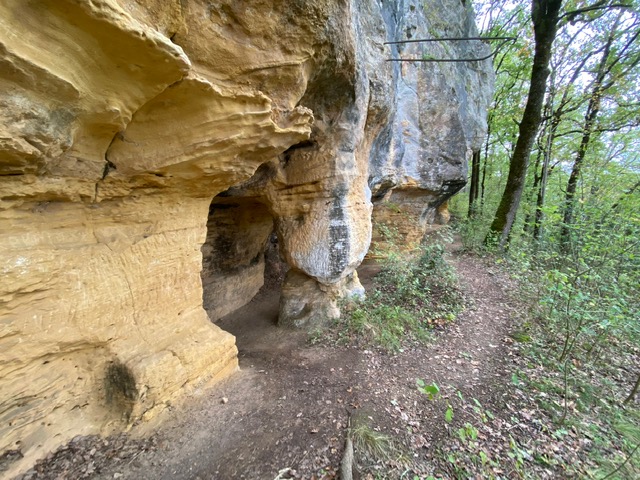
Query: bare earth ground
[[289, 406]]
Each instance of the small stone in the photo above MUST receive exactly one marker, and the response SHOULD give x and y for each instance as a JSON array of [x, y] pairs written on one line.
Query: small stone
[[224, 400]]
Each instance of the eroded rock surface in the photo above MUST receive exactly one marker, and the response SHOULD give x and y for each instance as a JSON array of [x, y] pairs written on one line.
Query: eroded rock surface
[[148, 151], [420, 159]]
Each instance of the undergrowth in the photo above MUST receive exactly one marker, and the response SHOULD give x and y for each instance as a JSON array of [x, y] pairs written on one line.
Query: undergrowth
[[580, 345], [413, 293]]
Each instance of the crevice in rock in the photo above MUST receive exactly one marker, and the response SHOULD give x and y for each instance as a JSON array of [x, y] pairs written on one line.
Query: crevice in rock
[[108, 167], [305, 145]]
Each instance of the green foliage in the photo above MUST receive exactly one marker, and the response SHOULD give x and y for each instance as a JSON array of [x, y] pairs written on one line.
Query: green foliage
[[468, 451], [432, 390], [448, 414], [583, 331], [472, 230], [582, 289], [611, 162], [414, 292]]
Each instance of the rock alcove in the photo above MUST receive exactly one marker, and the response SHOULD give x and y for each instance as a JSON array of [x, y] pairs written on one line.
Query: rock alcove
[[233, 255]]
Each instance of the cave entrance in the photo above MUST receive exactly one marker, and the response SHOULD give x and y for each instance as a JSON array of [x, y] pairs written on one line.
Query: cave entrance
[[242, 271]]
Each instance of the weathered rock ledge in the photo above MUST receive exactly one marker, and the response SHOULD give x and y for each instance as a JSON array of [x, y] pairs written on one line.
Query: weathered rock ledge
[[149, 149]]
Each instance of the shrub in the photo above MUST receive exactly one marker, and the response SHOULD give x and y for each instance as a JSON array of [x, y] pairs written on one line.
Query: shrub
[[414, 292]]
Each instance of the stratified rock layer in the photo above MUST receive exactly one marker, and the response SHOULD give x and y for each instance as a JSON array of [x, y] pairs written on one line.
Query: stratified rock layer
[[148, 151]]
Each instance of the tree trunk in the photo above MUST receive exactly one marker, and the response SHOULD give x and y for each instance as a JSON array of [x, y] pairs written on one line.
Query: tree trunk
[[544, 176], [474, 190], [572, 183], [528, 224], [556, 117], [484, 166], [593, 108], [546, 171], [545, 24], [634, 391]]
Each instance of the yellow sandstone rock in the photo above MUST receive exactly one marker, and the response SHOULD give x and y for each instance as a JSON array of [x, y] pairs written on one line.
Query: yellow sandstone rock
[[111, 147]]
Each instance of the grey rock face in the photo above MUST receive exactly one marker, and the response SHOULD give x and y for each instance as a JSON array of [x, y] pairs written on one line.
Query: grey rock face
[[440, 108], [416, 123]]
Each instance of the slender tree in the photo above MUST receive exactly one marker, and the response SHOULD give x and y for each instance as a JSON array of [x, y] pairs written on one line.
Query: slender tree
[[634, 390], [474, 190], [551, 117], [604, 80], [545, 14], [555, 113], [528, 224]]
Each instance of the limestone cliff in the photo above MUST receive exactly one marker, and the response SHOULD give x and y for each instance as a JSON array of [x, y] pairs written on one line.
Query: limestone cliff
[[148, 151], [420, 158]]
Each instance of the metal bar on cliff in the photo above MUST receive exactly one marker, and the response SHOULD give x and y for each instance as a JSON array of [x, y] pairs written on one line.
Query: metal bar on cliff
[[505, 40]]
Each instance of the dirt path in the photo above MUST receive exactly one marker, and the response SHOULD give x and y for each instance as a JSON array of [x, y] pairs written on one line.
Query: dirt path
[[289, 405]]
